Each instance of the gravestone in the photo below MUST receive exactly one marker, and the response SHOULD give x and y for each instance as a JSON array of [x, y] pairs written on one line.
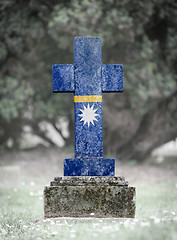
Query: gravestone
[[89, 187]]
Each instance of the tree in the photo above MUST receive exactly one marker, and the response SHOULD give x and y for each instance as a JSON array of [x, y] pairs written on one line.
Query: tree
[[141, 35]]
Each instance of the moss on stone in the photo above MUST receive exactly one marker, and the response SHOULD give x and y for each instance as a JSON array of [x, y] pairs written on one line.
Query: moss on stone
[[104, 200]]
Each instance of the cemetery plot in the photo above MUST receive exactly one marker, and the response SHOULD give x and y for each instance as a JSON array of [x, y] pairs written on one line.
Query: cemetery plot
[[21, 211]]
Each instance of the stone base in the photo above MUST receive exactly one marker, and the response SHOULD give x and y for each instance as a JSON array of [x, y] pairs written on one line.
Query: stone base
[[106, 197]]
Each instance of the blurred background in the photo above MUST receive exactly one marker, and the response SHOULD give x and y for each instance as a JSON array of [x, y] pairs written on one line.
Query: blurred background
[[141, 35], [37, 126]]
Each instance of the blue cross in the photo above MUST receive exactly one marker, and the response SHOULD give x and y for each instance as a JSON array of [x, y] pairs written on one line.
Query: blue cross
[[87, 78]]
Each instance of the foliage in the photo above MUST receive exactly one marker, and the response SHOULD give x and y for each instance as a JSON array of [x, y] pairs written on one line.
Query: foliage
[[36, 34]]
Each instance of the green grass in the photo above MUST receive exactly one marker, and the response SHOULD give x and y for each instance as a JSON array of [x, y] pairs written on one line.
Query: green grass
[[21, 216]]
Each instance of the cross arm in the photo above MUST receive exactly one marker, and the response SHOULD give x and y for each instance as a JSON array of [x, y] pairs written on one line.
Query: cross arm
[[112, 78], [63, 78]]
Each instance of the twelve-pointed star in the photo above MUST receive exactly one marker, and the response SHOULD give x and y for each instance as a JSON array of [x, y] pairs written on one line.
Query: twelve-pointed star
[[88, 114]]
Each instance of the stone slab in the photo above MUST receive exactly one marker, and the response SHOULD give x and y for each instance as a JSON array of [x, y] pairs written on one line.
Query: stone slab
[[98, 198], [89, 167], [87, 180]]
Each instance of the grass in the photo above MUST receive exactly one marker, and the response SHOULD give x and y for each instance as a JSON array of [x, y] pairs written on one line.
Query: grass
[[21, 216], [21, 202]]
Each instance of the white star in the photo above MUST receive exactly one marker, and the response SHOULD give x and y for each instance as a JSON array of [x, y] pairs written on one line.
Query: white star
[[88, 114]]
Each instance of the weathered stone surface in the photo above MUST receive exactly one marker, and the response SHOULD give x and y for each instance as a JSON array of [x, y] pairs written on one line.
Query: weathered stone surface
[[89, 197], [88, 180]]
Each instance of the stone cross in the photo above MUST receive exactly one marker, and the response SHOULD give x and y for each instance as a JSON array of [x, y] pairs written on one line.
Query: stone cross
[[88, 78]]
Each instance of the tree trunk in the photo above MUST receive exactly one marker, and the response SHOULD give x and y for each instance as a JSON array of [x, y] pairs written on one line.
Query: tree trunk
[[156, 127]]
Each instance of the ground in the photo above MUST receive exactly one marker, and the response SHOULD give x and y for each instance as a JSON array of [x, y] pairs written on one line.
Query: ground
[[23, 176]]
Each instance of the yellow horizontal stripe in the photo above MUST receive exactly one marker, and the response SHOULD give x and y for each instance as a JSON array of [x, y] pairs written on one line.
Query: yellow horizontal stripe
[[91, 98]]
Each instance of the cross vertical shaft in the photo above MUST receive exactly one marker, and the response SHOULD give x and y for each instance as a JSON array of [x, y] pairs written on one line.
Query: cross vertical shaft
[[88, 98]]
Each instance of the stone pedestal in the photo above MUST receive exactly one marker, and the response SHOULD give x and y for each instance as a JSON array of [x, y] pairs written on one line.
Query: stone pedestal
[[87, 196]]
